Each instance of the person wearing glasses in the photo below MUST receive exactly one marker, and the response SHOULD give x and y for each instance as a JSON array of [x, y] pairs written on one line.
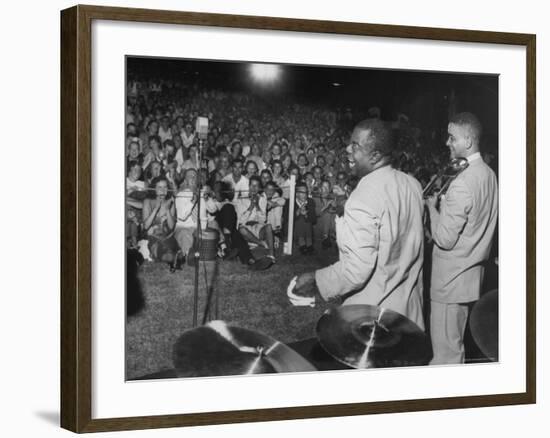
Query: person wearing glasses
[[380, 236]]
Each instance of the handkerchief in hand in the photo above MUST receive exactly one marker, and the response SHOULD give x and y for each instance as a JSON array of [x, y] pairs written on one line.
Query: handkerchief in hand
[[297, 300]]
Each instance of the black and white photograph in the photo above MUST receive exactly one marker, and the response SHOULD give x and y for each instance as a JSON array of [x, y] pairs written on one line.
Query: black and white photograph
[[305, 218]]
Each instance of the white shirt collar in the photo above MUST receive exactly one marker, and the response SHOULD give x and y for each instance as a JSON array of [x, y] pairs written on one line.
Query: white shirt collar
[[473, 157]]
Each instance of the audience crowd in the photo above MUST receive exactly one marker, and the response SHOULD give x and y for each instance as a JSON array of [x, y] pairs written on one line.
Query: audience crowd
[[252, 149]]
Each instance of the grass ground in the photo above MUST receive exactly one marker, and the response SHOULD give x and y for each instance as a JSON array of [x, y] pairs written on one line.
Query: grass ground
[[253, 300]]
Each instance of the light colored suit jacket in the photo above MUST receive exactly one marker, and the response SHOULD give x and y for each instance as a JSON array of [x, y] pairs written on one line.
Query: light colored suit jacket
[[463, 232], [381, 246]]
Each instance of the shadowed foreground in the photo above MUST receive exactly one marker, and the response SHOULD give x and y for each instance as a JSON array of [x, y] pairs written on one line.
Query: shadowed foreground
[[252, 300]]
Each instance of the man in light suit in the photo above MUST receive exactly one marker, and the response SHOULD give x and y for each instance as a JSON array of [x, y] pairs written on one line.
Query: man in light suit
[[380, 236], [462, 232]]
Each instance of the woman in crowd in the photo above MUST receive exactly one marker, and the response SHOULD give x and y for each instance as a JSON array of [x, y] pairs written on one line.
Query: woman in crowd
[[192, 160], [153, 171], [159, 219], [266, 177], [303, 163], [255, 156], [236, 150], [251, 169], [287, 162]]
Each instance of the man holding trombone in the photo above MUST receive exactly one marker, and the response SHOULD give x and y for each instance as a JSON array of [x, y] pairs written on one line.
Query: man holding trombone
[[462, 230]]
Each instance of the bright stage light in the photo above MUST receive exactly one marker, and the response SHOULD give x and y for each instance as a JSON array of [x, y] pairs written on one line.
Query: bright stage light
[[265, 72]]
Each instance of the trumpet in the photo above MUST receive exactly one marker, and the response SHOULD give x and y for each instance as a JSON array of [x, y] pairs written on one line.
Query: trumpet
[[447, 176]]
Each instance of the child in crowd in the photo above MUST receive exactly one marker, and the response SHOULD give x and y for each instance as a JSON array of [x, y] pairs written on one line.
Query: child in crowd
[[304, 219], [275, 207], [326, 213]]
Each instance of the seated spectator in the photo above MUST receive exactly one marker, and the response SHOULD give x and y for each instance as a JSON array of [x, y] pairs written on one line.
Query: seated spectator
[[310, 182], [266, 158], [159, 217], [311, 155], [276, 152], [219, 205], [153, 172], [251, 169], [135, 194], [134, 154], [326, 214], [265, 177], [187, 135], [154, 151], [287, 162], [192, 161], [317, 172], [165, 132], [186, 209], [252, 218], [173, 176], [320, 161], [304, 219], [302, 163], [178, 143], [152, 129], [236, 150], [238, 182], [224, 164], [254, 156], [182, 155], [294, 170], [169, 152], [339, 188], [275, 206], [279, 178]]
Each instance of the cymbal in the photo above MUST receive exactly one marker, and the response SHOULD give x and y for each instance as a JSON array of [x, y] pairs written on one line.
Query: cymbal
[[363, 336], [484, 324], [219, 349]]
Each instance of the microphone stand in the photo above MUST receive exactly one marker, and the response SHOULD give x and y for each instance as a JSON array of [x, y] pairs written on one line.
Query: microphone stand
[[199, 237]]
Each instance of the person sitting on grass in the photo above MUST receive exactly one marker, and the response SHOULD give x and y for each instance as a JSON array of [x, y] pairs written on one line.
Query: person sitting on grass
[[220, 207], [275, 207], [252, 218], [135, 194], [186, 208], [304, 219], [159, 218]]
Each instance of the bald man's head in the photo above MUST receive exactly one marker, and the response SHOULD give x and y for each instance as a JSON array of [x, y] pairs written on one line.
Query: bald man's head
[[372, 145], [377, 134]]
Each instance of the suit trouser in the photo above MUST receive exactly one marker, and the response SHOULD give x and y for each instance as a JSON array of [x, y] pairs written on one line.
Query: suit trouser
[[447, 325]]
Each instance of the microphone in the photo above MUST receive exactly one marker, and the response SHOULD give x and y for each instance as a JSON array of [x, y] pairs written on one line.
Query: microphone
[[201, 128]]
